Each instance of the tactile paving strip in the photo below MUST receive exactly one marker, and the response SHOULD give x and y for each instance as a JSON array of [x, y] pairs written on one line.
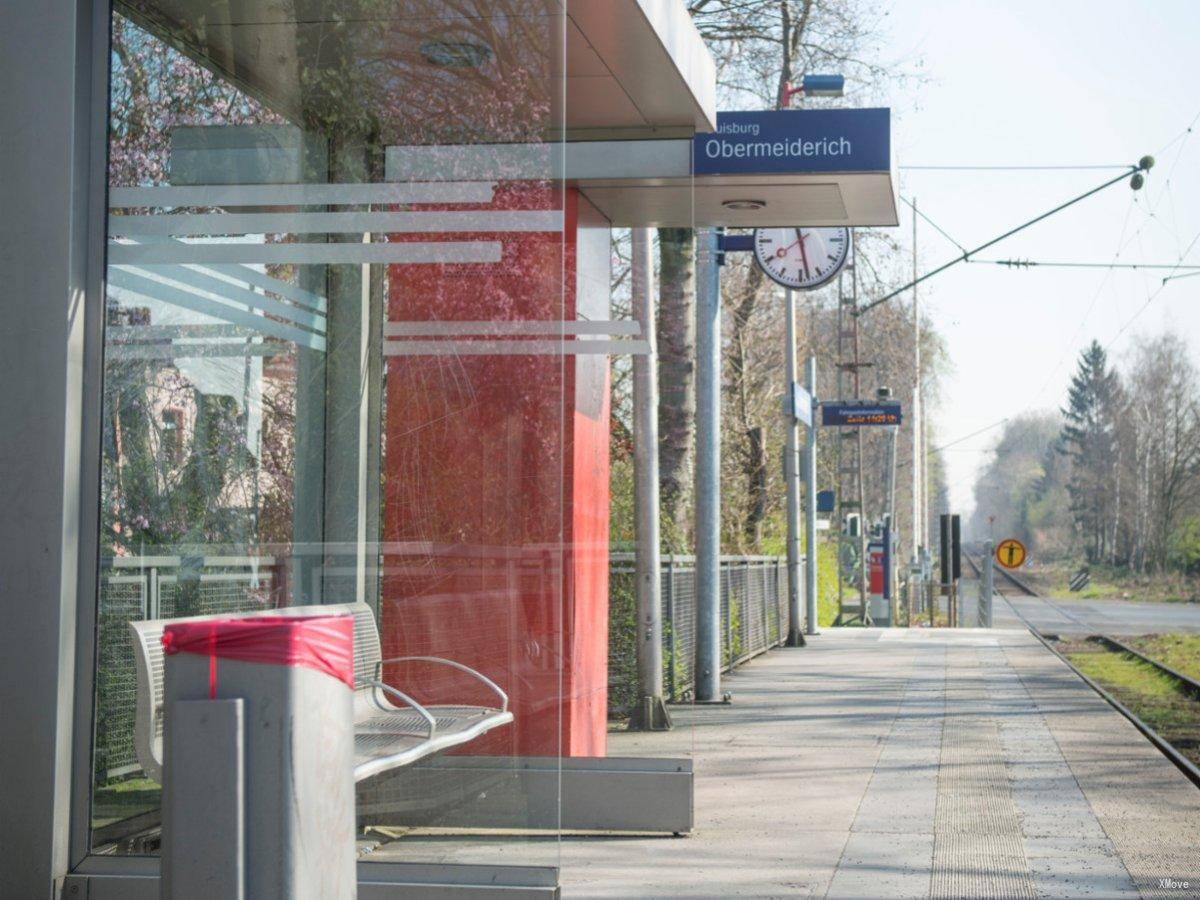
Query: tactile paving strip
[[978, 850], [1147, 808]]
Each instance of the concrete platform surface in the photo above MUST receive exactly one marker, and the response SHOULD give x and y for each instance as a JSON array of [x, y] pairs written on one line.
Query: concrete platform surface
[[894, 763]]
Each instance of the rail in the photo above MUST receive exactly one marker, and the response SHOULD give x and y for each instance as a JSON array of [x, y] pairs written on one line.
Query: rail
[[1188, 685]]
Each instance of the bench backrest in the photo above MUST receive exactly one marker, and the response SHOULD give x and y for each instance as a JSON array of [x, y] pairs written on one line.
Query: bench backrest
[[148, 654]]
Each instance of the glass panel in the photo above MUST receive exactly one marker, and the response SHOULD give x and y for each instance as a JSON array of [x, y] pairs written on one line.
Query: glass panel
[[672, 255], [337, 372]]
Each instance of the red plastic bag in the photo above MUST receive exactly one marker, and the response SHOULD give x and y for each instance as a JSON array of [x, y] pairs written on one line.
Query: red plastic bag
[[323, 643]]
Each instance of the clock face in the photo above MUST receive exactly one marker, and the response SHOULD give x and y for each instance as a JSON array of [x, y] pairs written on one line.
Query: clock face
[[801, 258]]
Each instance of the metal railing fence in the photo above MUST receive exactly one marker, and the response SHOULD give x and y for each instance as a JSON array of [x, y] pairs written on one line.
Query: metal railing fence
[[753, 620], [754, 611], [160, 587]]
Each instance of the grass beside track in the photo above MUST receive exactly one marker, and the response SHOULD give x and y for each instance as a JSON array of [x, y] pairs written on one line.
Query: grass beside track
[[1052, 578], [1179, 651], [1151, 695]]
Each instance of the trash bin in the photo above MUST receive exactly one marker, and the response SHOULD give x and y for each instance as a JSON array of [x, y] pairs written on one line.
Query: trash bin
[[258, 753]]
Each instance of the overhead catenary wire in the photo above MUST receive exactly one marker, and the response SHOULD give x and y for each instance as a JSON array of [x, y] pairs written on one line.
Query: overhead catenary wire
[[999, 422], [1154, 296], [1143, 165], [1175, 271], [1032, 168], [966, 437], [1062, 264], [1108, 273], [1168, 278], [938, 228]]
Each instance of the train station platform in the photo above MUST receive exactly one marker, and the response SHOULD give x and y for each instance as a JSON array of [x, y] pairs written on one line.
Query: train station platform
[[898, 763]]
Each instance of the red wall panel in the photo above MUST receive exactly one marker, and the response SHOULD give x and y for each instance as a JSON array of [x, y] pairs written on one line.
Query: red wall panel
[[495, 492]]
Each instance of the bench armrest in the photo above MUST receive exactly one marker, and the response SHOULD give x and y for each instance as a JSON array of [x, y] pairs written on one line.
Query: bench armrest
[[446, 662], [408, 701]]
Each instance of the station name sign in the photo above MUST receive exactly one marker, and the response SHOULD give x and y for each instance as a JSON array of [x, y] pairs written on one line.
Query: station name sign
[[796, 141], [851, 413]]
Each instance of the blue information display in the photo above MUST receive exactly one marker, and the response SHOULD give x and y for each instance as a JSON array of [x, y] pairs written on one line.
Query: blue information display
[[796, 141], [851, 413]]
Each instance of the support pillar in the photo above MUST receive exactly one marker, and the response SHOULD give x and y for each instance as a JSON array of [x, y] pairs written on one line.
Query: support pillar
[[650, 714], [987, 586], [53, 66], [353, 379], [795, 637], [810, 512], [708, 467]]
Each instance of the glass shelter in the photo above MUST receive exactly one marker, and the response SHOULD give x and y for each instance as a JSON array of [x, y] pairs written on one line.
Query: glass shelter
[[356, 356], [323, 315]]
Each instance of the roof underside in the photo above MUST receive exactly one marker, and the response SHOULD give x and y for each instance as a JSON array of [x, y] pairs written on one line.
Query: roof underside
[[622, 66], [649, 183]]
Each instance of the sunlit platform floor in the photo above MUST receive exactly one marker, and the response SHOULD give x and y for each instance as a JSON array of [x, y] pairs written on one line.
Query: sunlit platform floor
[[893, 763]]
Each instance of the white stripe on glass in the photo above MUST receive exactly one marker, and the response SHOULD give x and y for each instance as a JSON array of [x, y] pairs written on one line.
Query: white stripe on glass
[[514, 348], [419, 329], [300, 194], [336, 222], [398, 252]]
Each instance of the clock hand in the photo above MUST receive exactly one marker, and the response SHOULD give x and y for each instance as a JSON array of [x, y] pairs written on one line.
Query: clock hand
[[782, 251], [803, 253]]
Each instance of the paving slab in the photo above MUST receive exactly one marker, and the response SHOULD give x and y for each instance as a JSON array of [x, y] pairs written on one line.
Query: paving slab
[[892, 763]]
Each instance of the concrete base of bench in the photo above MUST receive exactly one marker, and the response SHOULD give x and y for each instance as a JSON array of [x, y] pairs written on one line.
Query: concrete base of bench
[[376, 881], [598, 794]]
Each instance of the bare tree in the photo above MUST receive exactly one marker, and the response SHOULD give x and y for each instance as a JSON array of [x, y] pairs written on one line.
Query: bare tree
[[676, 335], [759, 46], [1166, 425]]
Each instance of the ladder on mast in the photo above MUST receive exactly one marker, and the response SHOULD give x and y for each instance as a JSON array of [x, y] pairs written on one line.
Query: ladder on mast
[[849, 450]]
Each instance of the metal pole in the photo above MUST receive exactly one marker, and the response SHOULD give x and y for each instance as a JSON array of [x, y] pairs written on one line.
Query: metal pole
[[810, 511], [674, 631], [864, 605], [890, 528], [651, 713], [925, 491], [890, 474], [1143, 166], [987, 588], [730, 593], [917, 444], [708, 467], [795, 636]]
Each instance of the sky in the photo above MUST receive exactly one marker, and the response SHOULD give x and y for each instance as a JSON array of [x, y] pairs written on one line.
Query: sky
[[1044, 83]]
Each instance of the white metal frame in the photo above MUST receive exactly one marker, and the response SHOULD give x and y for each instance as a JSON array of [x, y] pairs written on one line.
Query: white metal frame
[[369, 704]]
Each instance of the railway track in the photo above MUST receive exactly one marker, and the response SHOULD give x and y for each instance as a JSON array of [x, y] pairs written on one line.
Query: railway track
[[1186, 685]]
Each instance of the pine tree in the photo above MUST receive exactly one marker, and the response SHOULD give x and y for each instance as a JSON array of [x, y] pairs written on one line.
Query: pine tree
[[1094, 401]]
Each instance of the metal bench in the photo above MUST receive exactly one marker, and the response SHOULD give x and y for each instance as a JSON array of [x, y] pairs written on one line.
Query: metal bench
[[386, 736]]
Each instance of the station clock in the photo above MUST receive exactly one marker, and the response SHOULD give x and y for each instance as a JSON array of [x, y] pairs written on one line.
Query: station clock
[[801, 258]]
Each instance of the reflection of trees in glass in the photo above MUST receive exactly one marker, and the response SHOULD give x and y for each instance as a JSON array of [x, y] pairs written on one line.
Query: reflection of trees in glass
[[469, 71], [461, 73], [176, 465], [466, 71], [277, 459], [191, 483], [155, 89]]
